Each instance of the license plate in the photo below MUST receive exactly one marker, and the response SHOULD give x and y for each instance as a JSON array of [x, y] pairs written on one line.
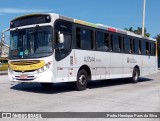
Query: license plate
[[23, 76]]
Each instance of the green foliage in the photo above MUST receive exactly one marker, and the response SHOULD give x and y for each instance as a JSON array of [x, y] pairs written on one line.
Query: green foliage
[[138, 31]]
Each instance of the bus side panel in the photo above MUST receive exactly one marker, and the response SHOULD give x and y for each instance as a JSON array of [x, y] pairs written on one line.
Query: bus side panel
[[63, 67], [102, 65], [129, 62], [85, 58], [145, 65], [153, 64], [139, 62], [116, 65]]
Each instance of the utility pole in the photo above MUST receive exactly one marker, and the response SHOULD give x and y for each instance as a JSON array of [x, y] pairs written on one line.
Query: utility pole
[[143, 20]]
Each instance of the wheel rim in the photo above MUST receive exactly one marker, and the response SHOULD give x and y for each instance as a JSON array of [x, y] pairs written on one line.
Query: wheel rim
[[82, 80]]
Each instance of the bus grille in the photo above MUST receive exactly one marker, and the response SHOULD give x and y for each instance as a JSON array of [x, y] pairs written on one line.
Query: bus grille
[[25, 62]]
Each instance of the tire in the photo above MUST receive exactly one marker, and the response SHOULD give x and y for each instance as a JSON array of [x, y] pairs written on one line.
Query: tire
[[135, 75], [47, 85], [82, 79]]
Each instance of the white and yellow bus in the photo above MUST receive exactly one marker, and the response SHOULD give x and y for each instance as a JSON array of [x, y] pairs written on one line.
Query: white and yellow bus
[[51, 48]]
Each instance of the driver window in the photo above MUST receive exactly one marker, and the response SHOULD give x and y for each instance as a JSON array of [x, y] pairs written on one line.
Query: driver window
[[66, 45], [63, 39]]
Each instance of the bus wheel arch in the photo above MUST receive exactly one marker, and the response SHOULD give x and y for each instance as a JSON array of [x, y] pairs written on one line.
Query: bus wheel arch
[[83, 75], [87, 69]]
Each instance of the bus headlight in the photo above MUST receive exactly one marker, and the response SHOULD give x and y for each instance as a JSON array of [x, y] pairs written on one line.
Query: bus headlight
[[44, 68], [47, 66]]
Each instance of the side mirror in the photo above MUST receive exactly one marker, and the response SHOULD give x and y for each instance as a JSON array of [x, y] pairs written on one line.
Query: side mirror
[[60, 37]]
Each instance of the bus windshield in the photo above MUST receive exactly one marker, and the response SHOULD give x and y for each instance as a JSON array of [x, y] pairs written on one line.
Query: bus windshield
[[31, 43]]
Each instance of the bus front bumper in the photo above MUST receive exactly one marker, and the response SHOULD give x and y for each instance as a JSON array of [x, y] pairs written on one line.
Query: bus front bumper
[[31, 77]]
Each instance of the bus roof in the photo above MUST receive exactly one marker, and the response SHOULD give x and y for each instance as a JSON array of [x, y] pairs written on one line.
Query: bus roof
[[99, 26]]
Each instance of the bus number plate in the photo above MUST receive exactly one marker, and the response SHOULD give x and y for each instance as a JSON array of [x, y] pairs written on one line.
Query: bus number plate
[[23, 76]]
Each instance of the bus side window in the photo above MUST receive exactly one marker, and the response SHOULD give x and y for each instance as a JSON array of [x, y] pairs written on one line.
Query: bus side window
[[84, 38], [143, 45], [78, 37], [147, 48], [131, 51], [115, 43], [127, 45], [111, 43], [116, 47], [136, 46], [140, 47], [100, 41], [120, 44], [153, 48], [133, 44], [106, 41], [150, 51]]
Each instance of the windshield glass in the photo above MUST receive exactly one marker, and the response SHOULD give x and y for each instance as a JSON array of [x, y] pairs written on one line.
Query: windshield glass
[[31, 43]]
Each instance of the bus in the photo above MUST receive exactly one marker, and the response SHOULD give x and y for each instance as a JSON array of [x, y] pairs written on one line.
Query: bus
[[50, 48]]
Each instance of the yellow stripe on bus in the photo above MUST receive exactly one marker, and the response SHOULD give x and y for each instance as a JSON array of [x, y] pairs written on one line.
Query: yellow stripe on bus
[[22, 66]]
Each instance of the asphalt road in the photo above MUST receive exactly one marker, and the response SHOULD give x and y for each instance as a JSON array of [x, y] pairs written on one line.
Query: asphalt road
[[101, 96]]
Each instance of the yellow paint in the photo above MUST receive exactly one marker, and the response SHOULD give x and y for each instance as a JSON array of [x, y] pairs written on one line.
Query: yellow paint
[[86, 23], [3, 67], [26, 65], [3, 64]]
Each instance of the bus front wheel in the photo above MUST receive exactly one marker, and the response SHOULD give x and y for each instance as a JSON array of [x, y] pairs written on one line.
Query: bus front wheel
[[82, 79], [135, 75]]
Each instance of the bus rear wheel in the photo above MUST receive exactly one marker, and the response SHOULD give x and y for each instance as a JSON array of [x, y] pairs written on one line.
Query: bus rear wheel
[[135, 75], [47, 85], [82, 79]]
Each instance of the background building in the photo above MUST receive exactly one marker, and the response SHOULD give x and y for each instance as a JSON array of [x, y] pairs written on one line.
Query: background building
[[4, 50]]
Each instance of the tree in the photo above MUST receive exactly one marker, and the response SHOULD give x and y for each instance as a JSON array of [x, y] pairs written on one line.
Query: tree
[[138, 31], [130, 29]]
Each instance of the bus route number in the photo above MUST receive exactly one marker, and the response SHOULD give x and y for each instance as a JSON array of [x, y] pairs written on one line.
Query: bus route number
[[89, 59]]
